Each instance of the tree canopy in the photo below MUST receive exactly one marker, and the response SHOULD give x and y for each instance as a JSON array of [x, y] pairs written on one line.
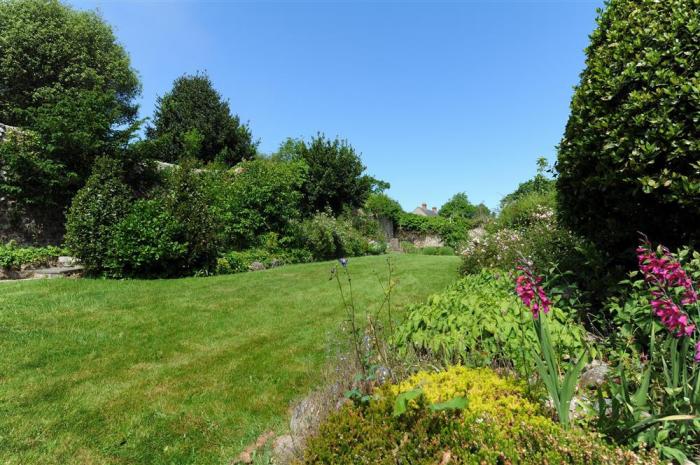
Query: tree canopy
[[335, 178], [63, 73], [194, 120]]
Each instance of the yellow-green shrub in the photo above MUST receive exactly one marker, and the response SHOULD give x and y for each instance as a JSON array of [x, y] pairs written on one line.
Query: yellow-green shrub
[[498, 426]]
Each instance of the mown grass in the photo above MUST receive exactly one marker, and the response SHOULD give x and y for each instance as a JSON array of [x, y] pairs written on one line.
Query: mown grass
[[173, 371]]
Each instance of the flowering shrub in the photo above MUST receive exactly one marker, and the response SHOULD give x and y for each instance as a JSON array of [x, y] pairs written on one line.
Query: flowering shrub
[[537, 237], [499, 425]]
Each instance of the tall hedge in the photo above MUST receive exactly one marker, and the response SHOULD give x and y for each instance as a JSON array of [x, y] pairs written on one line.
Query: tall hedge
[[630, 157]]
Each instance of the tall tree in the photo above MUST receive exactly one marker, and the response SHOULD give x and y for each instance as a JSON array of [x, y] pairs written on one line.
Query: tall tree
[[69, 86], [193, 109], [335, 178], [459, 207], [63, 74]]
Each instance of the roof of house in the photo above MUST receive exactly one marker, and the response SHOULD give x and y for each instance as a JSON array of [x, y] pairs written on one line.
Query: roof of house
[[423, 210]]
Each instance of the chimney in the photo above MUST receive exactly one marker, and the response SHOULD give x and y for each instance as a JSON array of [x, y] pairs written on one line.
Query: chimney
[[424, 206]]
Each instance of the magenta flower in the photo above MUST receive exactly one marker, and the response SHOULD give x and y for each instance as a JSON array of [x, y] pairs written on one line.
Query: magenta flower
[[663, 272], [528, 288], [672, 317], [697, 352]]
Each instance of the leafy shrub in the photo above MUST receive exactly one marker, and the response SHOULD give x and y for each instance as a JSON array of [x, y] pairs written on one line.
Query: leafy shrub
[[145, 243], [531, 231], [381, 205], [13, 256], [327, 237], [258, 197], [96, 209], [540, 184], [189, 201], [499, 249], [479, 320], [460, 208], [628, 161], [376, 247], [499, 425], [437, 250]]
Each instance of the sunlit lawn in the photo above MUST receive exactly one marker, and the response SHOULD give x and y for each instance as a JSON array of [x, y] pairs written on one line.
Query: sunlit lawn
[[173, 371]]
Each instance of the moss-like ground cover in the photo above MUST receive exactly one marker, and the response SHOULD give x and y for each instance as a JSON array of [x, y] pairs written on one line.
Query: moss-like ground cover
[[173, 371]]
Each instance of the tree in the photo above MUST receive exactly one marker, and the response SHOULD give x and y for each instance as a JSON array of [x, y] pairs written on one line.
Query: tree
[[335, 178], [69, 86], [630, 157], [193, 106], [63, 74], [459, 207]]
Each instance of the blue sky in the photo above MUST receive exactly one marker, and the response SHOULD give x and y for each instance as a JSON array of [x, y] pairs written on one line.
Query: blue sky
[[439, 98]]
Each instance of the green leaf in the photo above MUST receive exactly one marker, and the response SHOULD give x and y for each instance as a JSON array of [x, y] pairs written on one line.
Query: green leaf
[[401, 403], [458, 403]]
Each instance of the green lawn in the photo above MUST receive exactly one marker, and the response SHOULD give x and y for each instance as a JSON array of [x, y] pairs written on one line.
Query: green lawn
[[173, 371]]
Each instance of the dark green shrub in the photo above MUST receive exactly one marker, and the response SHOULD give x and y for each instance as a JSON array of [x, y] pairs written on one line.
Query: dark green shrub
[[479, 320], [540, 184], [96, 209], [528, 228], [499, 425], [629, 158], [145, 243], [460, 208]]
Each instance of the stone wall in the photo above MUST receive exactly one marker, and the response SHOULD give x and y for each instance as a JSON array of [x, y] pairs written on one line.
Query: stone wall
[[421, 240]]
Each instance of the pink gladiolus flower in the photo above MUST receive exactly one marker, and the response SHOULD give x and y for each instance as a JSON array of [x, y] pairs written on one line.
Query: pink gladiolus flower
[[697, 352], [528, 288], [663, 272], [672, 317]]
